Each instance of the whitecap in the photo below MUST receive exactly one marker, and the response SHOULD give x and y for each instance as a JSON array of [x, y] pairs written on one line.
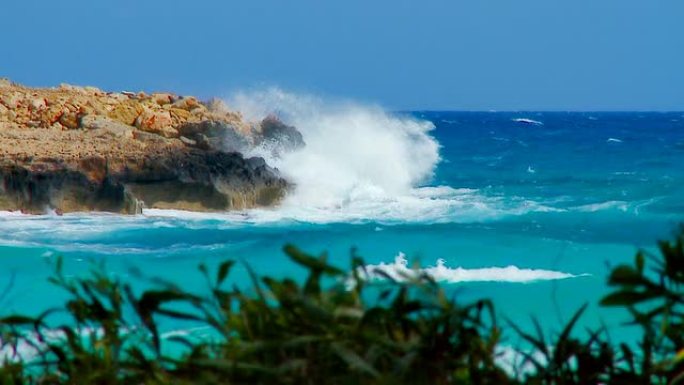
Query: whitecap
[[528, 121], [400, 271], [441, 204]]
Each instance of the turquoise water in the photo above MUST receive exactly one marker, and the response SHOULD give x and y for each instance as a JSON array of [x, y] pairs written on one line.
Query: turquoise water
[[564, 194]]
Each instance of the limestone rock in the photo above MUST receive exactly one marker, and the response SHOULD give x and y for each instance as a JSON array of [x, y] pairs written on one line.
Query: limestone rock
[[162, 98], [179, 116], [50, 115], [10, 99], [106, 125], [76, 148], [126, 112], [37, 104], [70, 119], [93, 90], [158, 122], [188, 104], [71, 88]]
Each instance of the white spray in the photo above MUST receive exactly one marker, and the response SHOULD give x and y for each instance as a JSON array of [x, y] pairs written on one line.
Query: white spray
[[352, 152], [360, 163]]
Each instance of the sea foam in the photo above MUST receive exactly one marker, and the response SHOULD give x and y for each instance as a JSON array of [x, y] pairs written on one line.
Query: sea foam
[[399, 270], [528, 121], [352, 152], [362, 163]]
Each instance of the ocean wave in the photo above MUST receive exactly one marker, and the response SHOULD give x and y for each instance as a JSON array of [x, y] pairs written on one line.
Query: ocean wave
[[633, 207], [593, 207], [424, 205], [528, 121], [360, 164], [400, 271], [353, 152]]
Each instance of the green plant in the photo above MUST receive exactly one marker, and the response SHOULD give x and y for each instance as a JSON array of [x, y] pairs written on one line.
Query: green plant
[[326, 331]]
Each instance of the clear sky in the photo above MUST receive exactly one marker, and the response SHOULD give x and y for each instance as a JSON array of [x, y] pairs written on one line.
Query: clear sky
[[427, 54]]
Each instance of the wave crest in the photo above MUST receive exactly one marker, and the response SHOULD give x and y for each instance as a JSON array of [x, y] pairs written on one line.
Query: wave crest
[[361, 163], [400, 271], [352, 152]]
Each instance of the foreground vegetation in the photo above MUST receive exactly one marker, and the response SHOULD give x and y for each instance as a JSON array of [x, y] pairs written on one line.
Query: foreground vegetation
[[326, 331]]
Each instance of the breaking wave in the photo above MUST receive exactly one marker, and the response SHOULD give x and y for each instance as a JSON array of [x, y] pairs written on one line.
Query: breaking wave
[[352, 152], [361, 163], [528, 121], [399, 270]]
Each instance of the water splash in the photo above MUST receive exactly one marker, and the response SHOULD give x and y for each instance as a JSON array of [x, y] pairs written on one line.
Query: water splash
[[400, 271], [352, 152]]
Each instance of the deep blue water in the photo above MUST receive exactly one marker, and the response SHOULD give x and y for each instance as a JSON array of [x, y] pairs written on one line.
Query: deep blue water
[[575, 194]]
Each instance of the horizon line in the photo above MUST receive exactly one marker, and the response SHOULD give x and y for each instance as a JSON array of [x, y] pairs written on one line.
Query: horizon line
[[545, 111]]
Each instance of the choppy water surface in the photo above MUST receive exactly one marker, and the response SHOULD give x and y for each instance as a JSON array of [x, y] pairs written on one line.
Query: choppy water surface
[[528, 209]]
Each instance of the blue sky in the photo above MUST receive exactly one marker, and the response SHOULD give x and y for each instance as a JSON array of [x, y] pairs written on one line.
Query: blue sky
[[428, 54]]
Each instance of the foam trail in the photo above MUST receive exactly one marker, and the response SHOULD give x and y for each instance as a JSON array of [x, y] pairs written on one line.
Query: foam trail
[[400, 271]]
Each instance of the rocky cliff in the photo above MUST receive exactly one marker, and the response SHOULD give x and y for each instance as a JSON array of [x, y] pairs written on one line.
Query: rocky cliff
[[82, 149]]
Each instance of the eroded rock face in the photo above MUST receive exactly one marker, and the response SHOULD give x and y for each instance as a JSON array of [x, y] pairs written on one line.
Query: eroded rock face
[[82, 149]]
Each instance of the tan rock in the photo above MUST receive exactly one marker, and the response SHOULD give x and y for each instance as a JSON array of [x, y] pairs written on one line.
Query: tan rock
[[126, 112], [70, 119], [157, 122], [47, 117], [116, 96], [106, 126], [94, 167], [93, 90], [148, 138], [94, 106], [38, 104], [71, 88], [11, 99], [179, 116], [187, 103], [162, 98]]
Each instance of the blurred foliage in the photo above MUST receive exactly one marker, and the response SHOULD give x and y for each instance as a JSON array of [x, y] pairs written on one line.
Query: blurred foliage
[[326, 331]]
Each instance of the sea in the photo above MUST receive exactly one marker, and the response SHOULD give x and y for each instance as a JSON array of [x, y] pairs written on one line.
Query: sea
[[528, 209]]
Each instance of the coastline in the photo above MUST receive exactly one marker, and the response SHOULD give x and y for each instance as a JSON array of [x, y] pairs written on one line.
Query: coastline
[[81, 149]]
